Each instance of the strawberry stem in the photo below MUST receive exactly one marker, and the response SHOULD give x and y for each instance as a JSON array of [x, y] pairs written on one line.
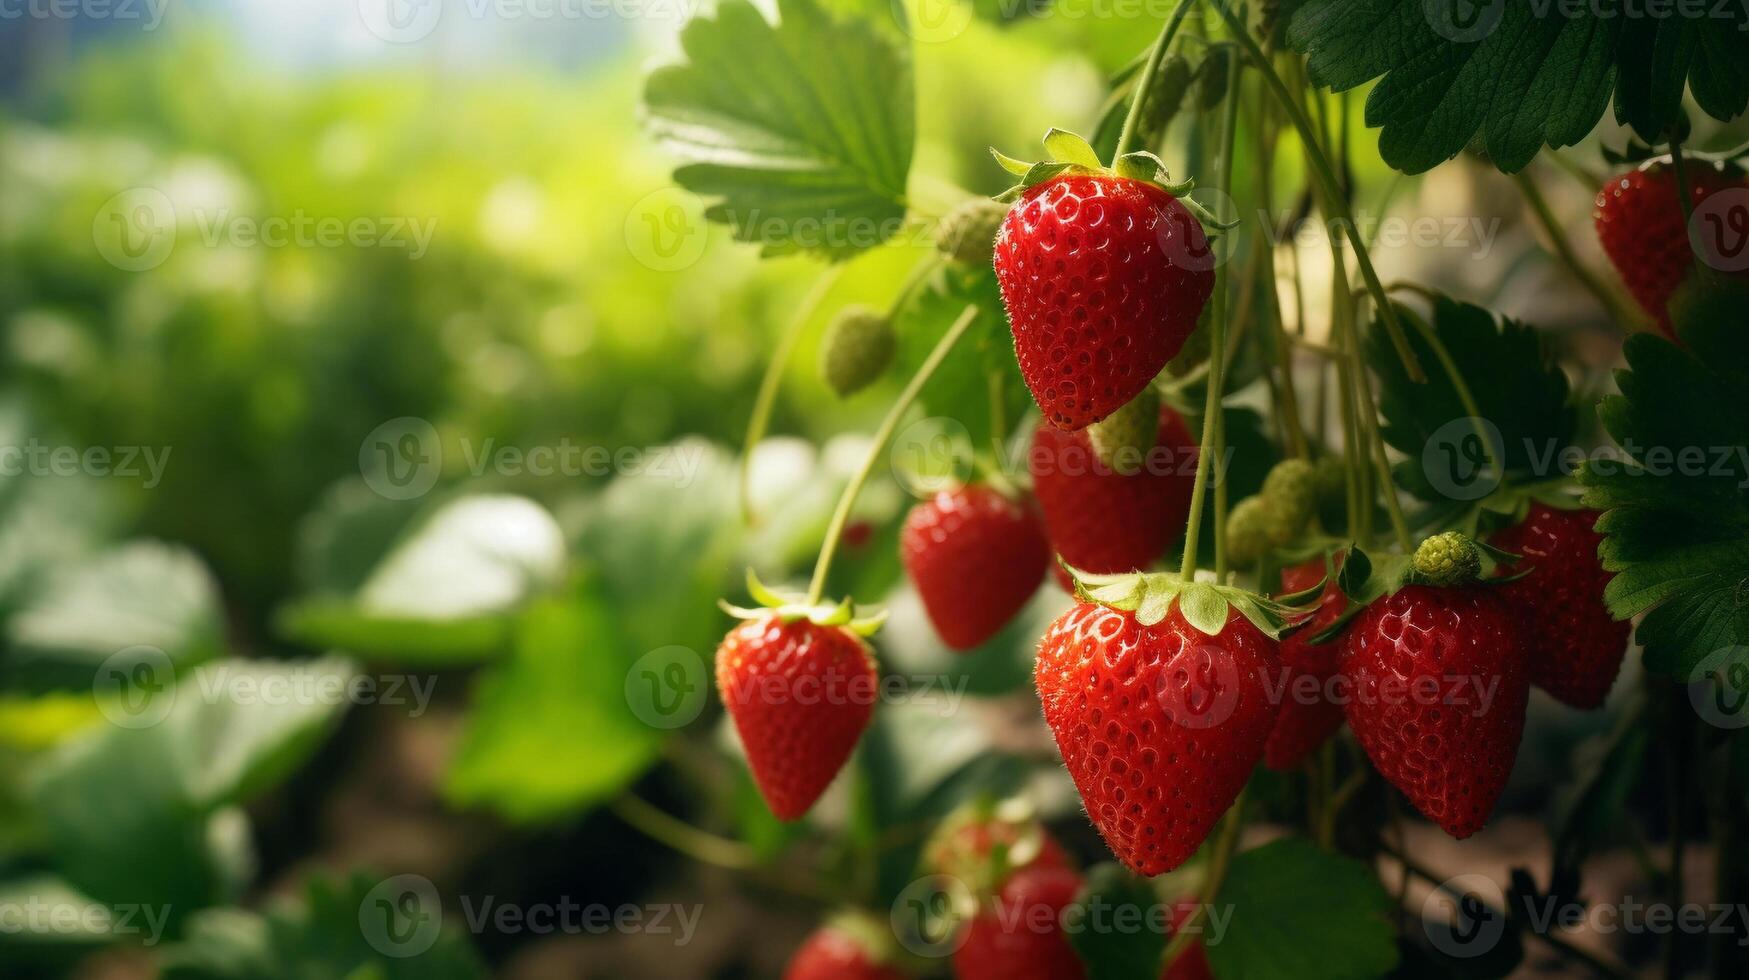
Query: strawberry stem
[[1224, 172], [1610, 300], [882, 436], [767, 396], [1332, 191], [1145, 80]]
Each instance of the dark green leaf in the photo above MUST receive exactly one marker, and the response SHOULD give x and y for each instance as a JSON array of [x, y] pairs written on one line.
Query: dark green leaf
[[1280, 930], [1110, 953]]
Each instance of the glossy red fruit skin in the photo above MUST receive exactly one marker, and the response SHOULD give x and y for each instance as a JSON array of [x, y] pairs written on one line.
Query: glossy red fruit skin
[[1574, 646], [1022, 939], [1640, 222], [976, 557], [800, 695], [1103, 279], [1159, 726], [828, 954], [1106, 522], [1193, 963], [1451, 760], [1306, 719]]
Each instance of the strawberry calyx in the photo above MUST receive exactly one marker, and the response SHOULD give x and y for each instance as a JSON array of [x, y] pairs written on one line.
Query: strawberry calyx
[[983, 842], [1446, 560], [1510, 504], [1069, 153], [790, 607], [1203, 603]]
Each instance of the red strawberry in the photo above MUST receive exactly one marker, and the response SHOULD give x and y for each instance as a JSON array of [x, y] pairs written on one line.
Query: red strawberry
[[976, 557], [1574, 646], [800, 694], [1158, 725], [1107, 522], [1193, 963], [1019, 936], [1307, 717], [1640, 222], [1437, 686], [832, 952], [1103, 278], [982, 845]]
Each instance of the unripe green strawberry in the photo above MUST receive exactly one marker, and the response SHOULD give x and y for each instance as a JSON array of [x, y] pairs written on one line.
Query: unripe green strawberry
[[858, 347], [1211, 80], [1448, 559], [967, 234], [1292, 487], [1248, 529], [1122, 439]]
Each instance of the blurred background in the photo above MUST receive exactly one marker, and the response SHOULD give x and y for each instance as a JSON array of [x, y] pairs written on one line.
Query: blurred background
[[373, 403]]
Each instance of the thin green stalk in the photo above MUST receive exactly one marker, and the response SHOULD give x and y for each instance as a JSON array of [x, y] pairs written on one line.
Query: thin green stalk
[[1145, 80], [1539, 206], [1332, 192], [1219, 862], [1387, 486], [1224, 170], [882, 436], [768, 385]]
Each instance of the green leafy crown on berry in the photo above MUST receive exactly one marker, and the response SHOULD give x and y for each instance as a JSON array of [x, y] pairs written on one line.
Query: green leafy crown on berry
[[1204, 605], [1068, 153], [790, 607]]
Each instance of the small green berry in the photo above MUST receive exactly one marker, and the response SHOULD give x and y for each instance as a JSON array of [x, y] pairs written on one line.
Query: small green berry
[[967, 234], [1248, 531], [1448, 559], [858, 347], [1123, 439], [1291, 489], [1165, 98], [1211, 80]]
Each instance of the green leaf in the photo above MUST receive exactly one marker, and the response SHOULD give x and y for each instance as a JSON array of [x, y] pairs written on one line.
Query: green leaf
[[1115, 954], [1278, 931], [806, 147], [146, 814], [562, 689], [143, 594], [319, 934], [1517, 384], [1518, 75], [1676, 521], [960, 388], [344, 538]]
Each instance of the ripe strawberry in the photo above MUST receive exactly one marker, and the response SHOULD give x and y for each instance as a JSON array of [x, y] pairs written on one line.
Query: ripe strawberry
[[1307, 717], [1103, 521], [1640, 222], [1103, 278], [982, 845], [976, 557], [834, 952], [1575, 647], [1158, 725], [1437, 687], [800, 694], [1019, 936], [1193, 963]]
